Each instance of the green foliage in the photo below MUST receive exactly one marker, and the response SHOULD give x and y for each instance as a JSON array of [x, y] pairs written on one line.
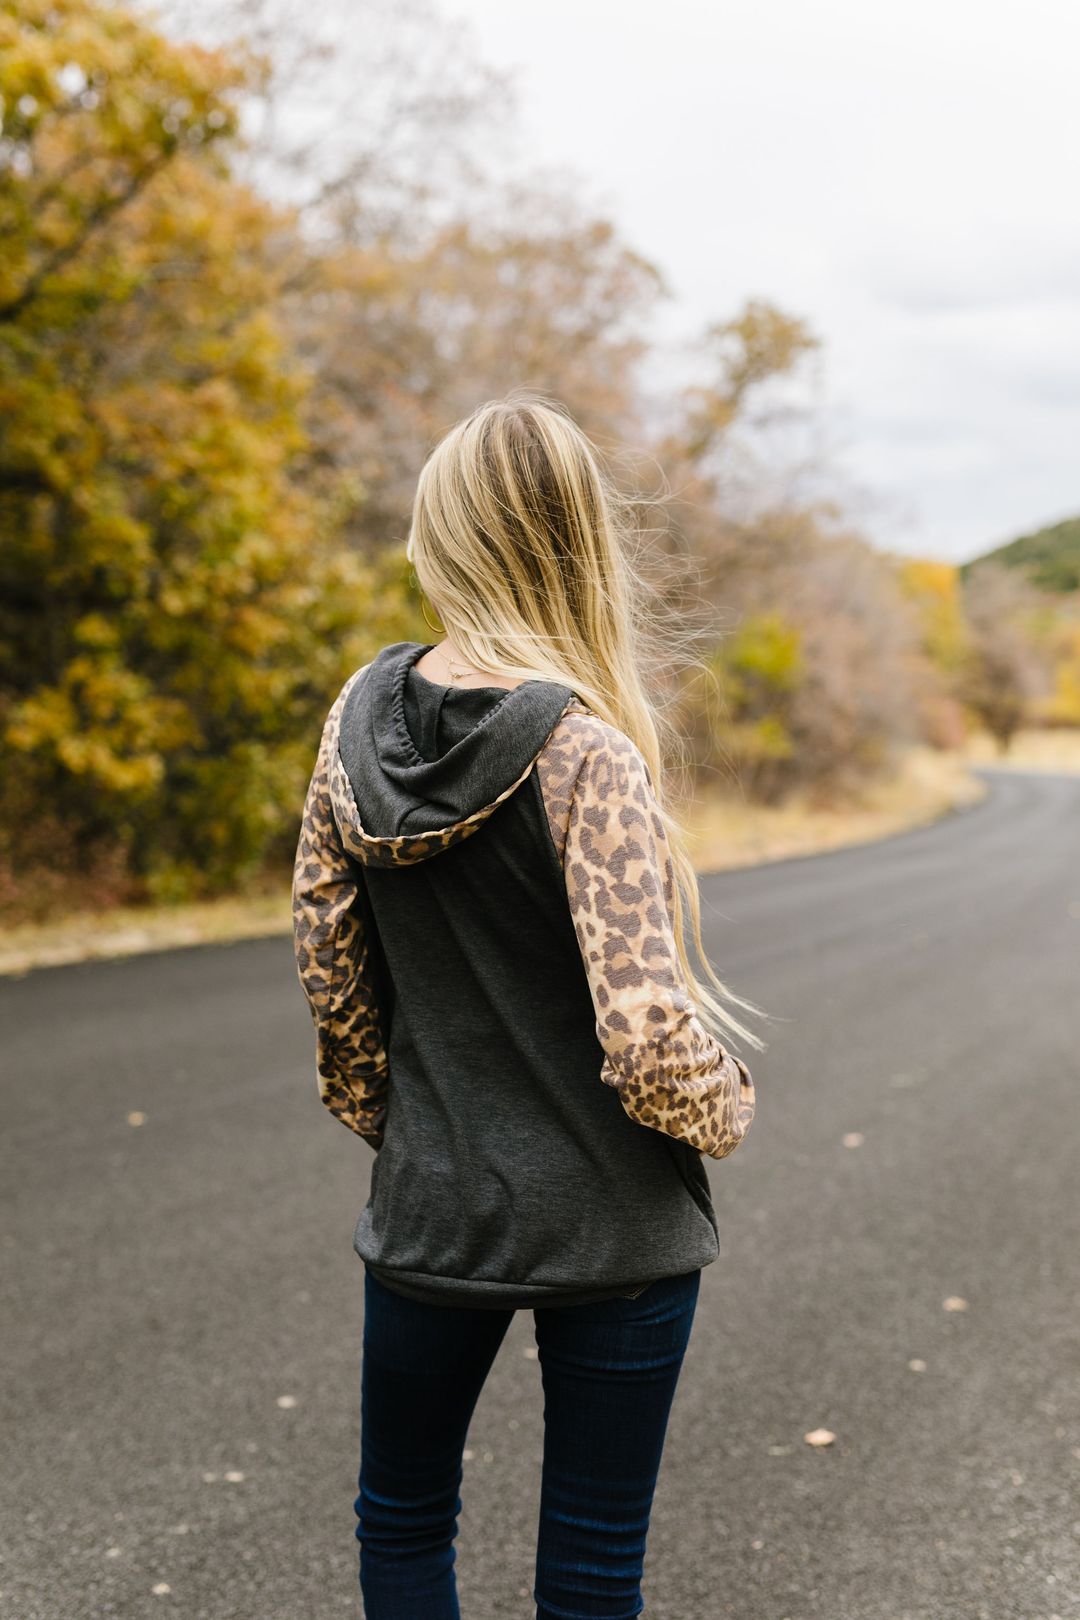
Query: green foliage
[[1049, 557]]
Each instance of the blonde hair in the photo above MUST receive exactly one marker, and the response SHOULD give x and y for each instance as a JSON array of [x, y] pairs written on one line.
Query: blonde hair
[[522, 542]]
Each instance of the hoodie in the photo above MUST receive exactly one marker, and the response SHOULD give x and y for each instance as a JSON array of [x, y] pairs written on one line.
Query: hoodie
[[483, 922]]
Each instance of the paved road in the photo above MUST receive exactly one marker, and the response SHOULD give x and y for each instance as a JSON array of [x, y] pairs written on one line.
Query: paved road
[[182, 1307]]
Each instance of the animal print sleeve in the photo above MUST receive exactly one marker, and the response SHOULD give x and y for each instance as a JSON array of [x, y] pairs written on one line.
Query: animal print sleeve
[[671, 1074], [333, 959]]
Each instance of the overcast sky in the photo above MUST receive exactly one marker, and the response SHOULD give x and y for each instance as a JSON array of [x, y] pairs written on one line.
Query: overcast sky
[[906, 178]]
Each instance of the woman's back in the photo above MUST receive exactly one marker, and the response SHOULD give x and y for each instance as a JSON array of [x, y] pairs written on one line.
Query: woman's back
[[480, 959]]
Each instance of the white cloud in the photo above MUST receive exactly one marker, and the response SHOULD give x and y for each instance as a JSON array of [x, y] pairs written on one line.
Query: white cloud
[[905, 179]]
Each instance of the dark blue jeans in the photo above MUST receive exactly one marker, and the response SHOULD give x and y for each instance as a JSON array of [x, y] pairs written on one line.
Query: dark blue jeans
[[609, 1372]]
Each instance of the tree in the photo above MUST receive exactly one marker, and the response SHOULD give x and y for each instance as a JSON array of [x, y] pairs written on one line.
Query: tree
[[747, 432], [402, 344], [933, 590], [1063, 706], [1005, 670], [437, 276], [175, 613]]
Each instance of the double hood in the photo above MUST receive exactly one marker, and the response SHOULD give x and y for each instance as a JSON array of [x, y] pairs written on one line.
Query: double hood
[[418, 766]]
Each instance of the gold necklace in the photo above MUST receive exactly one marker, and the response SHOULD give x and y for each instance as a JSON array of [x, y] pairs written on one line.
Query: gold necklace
[[466, 669]]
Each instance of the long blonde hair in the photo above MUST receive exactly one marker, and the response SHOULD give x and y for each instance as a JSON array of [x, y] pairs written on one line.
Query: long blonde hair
[[522, 541]]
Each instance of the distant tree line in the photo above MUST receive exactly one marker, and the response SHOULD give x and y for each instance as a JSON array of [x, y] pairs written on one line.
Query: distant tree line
[[232, 324]]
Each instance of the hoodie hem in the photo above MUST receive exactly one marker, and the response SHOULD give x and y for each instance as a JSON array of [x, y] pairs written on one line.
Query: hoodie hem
[[475, 1295]]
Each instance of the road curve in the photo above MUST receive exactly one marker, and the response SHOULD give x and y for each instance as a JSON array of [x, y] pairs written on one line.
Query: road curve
[[182, 1307]]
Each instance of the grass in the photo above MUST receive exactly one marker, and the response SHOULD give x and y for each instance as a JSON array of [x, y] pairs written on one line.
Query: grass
[[127, 930], [1032, 750], [728, 832], [725, 832]]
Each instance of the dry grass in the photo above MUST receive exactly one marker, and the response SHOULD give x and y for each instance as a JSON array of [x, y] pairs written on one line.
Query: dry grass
[[128, 930], [1033, 750], [728, 832]]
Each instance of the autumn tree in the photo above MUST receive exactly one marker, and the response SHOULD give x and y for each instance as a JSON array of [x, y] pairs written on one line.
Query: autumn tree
[[439, 276], [746, 355], [1006, 670], [173, 616], [933, 591], [1062, 707], [401, 345], [214, 409], [814, 668]]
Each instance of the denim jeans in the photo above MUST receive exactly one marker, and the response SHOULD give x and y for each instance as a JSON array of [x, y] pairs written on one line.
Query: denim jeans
[[608, 1373]]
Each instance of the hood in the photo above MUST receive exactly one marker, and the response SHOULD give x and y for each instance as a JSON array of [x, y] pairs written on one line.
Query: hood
[[418, 766]]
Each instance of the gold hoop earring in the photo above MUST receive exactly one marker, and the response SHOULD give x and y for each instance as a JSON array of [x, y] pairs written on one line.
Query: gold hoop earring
[[440, 630]]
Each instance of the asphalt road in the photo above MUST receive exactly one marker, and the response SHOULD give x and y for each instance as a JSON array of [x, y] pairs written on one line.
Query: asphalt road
[[182, 1306]]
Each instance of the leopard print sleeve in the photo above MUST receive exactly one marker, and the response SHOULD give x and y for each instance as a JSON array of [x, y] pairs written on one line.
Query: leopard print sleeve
[[333, 958], [670, 1072]]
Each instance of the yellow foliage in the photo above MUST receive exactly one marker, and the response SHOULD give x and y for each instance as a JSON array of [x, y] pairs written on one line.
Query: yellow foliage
[[934, 590], [1063, 706], [185, 611]]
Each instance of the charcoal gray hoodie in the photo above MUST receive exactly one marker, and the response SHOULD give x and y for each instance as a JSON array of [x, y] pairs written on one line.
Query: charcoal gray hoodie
[[482, 916]]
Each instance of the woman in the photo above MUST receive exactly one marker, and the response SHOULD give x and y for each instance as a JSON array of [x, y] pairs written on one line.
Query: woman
[[488, 899]]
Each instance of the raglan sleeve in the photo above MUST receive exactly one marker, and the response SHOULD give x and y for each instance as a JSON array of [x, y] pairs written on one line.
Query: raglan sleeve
[[670, 1072], [334, 959]]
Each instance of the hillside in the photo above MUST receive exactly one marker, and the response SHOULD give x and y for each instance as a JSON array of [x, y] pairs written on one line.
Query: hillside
[[1050, 557]]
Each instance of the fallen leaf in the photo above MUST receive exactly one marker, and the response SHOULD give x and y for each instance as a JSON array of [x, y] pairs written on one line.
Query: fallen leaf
[[136, 1119], [819, 1437]]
